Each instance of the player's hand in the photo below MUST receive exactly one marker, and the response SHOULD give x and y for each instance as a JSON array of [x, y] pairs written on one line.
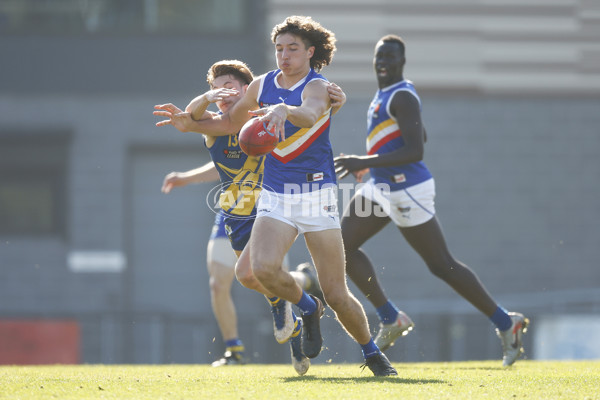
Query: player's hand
[[173, 179], [276, 116], [345, 165], [180, 119], [336, 96], [212, 96]]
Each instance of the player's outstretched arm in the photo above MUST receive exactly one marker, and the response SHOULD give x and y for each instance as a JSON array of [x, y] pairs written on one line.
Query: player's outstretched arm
[[206, 173], [225, 124]]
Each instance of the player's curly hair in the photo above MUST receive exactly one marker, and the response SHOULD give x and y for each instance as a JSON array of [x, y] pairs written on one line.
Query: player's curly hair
[[237, 68], [312, 34]]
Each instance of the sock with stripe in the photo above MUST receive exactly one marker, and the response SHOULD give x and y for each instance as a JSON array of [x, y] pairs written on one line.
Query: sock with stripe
[[275, 300], [234, 345]]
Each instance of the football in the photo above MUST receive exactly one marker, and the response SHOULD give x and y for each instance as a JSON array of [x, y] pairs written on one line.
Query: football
[[255, 140]]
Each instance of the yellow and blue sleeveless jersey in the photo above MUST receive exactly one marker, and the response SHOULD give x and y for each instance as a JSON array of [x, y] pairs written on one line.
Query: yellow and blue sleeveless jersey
[[384, 136], [241, 177], [305, 157]]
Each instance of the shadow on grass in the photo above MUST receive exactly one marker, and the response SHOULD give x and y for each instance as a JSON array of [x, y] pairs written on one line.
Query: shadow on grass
[[366, 379], [452, 367], [482, 368]]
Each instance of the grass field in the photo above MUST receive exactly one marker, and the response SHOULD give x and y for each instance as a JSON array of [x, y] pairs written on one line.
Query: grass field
[[455, 380]]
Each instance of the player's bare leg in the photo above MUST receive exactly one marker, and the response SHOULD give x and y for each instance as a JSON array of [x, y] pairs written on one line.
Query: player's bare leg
[[221, 278], [327, 251], [356, 230], [428, 240], [221, 274], [284, 319], [270, 241]]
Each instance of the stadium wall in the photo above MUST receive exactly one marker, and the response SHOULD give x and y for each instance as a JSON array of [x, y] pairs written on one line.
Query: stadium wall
[[516, 175]]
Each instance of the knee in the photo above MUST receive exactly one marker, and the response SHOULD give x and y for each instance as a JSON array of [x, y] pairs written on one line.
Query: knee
[[336, 299], [246, 278], [218, 285], [444, 270]]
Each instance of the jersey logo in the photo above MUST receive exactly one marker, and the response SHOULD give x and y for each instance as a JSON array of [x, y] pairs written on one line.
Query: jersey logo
[[232, 154]]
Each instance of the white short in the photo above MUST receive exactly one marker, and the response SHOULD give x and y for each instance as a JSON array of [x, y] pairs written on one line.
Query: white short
[[307, 212], [407, 207], [219, 250]]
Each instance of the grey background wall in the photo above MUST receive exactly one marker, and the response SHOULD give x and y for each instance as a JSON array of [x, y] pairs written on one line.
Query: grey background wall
[[516, 175]]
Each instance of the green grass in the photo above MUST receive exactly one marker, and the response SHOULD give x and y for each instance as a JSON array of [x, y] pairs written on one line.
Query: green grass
[[455, 380]]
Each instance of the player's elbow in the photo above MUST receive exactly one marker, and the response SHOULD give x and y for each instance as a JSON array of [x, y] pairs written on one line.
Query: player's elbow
[[419, 154], [415, 154]]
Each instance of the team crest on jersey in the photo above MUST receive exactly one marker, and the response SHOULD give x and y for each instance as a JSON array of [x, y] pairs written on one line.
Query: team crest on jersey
[[235, 154], [374, 110]]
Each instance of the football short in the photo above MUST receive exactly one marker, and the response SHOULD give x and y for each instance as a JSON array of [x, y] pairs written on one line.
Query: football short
[[219, 250], [235, 228], [307, 212], [238, 231], [408, 207], [218, 229]]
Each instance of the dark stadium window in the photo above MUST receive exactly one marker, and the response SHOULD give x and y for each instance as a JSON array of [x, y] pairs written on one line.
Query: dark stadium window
[[33, 184], [123, 17]]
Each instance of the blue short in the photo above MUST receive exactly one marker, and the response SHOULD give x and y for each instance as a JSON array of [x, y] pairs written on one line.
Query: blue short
[[236, 229], [218, 229]]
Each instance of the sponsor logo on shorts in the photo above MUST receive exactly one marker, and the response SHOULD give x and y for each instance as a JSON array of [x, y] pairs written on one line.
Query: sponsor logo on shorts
[[399, 178], [330, 209]]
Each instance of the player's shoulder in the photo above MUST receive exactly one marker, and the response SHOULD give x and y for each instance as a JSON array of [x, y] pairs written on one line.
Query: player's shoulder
[[404, 93], [317, 84]]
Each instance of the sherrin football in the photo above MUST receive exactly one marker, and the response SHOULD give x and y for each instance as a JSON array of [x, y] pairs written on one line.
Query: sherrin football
[[255, 140]]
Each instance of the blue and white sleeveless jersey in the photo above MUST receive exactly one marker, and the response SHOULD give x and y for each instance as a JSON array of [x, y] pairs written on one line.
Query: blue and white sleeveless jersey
[[384, 136], [241, 176], [305, 158]]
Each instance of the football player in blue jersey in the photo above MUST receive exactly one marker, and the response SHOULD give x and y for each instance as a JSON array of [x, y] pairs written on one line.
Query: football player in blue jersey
[[299, 193], [228, 80], [401, 189]]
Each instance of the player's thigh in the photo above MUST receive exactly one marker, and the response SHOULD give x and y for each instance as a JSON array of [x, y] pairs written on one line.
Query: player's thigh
[[428, 241], [327, 252], [360, 222], [269, 242]]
